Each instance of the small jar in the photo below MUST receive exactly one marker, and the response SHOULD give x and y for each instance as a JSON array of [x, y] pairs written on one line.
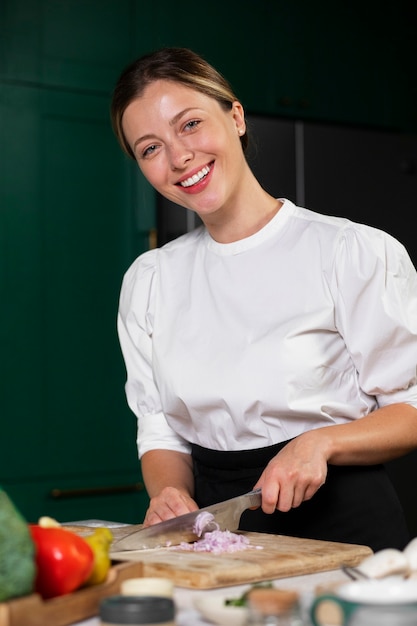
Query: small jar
[[162, 587], [137, 611], [273, 607]]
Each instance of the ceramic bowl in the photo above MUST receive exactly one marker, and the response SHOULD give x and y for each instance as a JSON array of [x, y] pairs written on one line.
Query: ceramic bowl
[[214, 609]]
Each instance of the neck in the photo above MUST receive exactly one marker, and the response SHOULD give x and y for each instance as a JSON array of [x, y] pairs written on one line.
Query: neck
[[243, 220]]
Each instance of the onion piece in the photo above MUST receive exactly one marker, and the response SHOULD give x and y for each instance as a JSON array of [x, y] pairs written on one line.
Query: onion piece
[[218, 542], [203, 522]]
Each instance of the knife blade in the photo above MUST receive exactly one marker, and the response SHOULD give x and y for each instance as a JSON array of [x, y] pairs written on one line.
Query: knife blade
[[226, 514]]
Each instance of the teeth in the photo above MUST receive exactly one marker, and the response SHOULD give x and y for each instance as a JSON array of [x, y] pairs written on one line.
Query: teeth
[[196, 178]]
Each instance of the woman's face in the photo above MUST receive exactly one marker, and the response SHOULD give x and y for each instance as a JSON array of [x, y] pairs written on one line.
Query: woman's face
[[186, 145]]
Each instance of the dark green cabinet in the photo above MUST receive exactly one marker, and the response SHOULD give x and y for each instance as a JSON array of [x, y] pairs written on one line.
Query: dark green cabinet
[[66, 224], [74, 214], [66, 43]]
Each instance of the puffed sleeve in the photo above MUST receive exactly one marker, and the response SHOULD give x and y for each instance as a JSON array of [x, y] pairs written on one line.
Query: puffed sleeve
[[374, 285], [135, 326]]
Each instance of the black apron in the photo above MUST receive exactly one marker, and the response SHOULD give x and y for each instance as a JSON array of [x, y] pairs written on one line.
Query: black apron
[[357, 504]]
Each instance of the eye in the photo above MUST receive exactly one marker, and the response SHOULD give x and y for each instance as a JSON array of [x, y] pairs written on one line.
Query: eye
[[192, 124], [149, 151]]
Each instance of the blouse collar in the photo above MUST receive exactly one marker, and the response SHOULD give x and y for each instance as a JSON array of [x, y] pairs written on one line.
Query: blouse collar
[[271, 228]]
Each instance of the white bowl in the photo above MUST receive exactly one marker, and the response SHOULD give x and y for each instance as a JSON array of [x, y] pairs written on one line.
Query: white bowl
[[385, 591], [214, 609]]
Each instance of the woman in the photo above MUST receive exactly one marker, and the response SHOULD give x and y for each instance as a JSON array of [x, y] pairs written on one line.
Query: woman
[[273, 347]]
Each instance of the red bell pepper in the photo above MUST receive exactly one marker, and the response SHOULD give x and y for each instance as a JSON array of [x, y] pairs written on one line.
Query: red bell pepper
[[64, 561]]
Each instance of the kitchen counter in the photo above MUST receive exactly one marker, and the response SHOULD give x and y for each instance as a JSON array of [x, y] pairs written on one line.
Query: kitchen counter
[[184, 598]]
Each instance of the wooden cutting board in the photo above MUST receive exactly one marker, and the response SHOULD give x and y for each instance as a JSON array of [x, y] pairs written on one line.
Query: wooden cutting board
[[280, 556]]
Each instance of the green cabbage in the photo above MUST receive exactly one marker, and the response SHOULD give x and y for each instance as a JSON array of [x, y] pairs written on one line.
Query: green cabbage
[[17, 552]]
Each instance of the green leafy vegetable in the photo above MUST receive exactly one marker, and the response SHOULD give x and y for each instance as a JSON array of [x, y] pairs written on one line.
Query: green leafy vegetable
[[17, 560], [243, 599]]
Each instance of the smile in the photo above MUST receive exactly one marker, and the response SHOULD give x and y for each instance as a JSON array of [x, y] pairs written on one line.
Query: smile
[[193, 180]]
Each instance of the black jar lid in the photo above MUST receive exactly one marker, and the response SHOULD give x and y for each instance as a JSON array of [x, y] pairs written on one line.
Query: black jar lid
[[137, 610]]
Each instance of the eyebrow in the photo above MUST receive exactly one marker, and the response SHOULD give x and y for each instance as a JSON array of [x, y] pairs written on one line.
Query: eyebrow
[[172, 122], [143, 138], [179, 115]]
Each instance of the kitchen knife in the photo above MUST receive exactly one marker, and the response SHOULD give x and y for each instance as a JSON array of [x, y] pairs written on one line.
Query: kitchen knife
[[182, 528]]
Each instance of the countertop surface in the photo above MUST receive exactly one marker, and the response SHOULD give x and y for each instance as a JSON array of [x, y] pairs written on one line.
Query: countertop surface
[[188, 615]]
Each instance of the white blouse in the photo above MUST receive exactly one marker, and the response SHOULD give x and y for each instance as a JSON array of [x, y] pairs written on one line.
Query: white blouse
[[309, 322]]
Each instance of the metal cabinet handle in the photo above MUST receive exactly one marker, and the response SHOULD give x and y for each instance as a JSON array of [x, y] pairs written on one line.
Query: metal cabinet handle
[[95, 491]]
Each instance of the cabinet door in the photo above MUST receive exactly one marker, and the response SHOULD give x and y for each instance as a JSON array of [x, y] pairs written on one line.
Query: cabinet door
[[272, 154], [368, 176], [80, 45], [67, 235]]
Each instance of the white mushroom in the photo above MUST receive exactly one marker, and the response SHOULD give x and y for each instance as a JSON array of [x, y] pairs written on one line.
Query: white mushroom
[[386, 562], [410, 552]]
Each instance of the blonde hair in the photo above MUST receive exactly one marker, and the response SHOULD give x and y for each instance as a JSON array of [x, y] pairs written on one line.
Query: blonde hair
[[179, 65]]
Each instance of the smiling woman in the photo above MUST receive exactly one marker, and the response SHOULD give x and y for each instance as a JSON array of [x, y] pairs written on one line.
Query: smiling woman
[[256, 345], [187, 145]]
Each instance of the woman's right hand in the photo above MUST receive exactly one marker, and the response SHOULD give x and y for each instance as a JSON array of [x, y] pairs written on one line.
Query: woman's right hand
[[169, 503], [169, 481]]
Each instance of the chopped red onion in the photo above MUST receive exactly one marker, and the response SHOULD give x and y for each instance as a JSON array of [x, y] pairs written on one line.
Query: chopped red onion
[[219, 541], [204, 521]]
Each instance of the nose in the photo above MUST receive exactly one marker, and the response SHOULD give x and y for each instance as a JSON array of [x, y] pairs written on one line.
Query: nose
[[179, 154]]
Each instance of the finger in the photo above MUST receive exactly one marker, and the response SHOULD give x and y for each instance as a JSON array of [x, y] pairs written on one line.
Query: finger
[[285, 499], [299, 496], [305, 492], [270, 495], [151, 518]]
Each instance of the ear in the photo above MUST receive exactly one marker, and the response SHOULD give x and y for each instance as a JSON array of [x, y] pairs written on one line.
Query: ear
[[239, 117]]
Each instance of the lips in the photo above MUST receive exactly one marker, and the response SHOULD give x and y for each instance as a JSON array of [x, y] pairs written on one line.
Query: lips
[[196, 178]]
